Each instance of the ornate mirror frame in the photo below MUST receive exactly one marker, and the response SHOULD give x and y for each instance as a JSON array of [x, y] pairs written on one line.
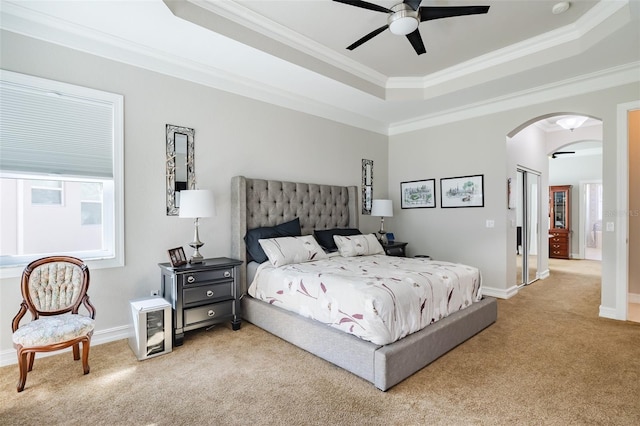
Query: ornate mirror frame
[[367, 185], [180, 165]]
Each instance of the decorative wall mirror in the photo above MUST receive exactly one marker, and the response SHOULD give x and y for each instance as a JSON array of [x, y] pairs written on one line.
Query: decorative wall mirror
[[367, 185], [180, 165]]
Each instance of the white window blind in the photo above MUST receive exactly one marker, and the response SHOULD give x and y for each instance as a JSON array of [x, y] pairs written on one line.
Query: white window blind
[[52, 132]]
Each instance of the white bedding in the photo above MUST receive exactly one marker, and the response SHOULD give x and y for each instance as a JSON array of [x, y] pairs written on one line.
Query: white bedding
[[377, 298]]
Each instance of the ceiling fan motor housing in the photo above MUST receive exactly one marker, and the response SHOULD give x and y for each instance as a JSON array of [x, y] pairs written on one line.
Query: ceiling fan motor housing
[[404, 20]]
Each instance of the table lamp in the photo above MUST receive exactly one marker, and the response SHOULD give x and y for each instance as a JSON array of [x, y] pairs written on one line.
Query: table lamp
[[196, 203], [382, 208]]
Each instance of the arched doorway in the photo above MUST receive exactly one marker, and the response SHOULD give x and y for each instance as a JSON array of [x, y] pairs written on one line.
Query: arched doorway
[[530, 148]]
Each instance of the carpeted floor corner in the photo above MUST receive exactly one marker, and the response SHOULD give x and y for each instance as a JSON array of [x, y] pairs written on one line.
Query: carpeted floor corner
[[548, 360]]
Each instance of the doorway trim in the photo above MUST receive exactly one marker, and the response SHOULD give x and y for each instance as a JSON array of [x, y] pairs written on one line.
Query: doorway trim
[[621, 214]]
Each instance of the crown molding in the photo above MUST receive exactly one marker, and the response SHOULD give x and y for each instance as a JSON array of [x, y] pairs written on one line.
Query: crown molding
[[21, 20], [44, 27], [594, 17], [617, 76], [241, 15]]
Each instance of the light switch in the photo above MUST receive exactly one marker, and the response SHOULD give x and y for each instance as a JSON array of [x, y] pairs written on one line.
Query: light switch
[[610, 227], [490, 223]]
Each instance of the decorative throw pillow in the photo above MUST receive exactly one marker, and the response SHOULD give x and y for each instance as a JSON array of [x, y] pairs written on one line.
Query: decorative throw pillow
[[286, 250], [358, 245], [325, 236], [287, 229]]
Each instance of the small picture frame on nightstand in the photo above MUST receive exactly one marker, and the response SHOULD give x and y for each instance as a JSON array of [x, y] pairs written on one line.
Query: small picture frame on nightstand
[[177, 257], [390, 237]]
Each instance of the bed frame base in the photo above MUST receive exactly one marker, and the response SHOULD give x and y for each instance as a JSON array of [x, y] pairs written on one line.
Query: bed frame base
[[384, 366]]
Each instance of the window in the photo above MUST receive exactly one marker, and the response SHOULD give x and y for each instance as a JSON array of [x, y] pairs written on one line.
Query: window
[[60, 173], [46, 192], [91, 203]]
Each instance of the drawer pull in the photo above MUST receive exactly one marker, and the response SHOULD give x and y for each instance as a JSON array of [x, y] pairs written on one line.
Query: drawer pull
[[211, 312], [191, 279], [227, 274], [209, 293]]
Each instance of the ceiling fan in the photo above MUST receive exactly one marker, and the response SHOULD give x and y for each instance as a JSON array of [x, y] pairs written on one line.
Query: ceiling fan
[[555, 154], [404, 18]]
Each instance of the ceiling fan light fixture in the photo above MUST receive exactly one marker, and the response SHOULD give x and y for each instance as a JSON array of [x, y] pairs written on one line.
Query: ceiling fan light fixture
[[403, 25], [403, 20], [571, 122]]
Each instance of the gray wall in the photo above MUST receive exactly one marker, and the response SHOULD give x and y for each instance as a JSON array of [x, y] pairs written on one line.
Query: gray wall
[[233, 136], [478, 146]]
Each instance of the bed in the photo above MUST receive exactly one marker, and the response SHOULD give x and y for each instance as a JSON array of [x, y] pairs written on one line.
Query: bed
[[260, 203]]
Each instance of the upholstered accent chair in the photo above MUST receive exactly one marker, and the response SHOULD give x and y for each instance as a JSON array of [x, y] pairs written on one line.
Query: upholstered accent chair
[[53, 288]]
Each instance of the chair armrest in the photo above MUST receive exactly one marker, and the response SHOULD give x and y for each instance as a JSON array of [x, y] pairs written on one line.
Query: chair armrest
[[16, 320]]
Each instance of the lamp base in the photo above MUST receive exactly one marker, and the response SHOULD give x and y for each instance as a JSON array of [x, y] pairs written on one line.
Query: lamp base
[[196, 257], [383, 238]]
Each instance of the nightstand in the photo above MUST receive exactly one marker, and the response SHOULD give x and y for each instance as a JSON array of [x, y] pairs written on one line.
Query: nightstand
[[202, 294], [396, 248]]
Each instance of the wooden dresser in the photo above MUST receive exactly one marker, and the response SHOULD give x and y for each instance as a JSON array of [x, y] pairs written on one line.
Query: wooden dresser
[[559, 214]]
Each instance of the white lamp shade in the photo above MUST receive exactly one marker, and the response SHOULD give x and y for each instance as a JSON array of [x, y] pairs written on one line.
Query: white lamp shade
[[382, 208], [197, 203]]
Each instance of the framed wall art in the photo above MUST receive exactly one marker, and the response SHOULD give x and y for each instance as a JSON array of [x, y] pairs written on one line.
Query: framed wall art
[[462, 191], [367, 185], [418, 194]]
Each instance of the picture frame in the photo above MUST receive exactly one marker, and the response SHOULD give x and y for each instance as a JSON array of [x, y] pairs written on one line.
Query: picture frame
[[177, 257], [462, 191], [416, 194]]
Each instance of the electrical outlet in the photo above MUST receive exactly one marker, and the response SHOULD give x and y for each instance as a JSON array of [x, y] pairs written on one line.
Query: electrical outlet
[[490, 223], [155, 292]]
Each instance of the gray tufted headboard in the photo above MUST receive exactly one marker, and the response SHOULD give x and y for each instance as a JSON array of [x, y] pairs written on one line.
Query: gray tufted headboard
[[258, 202]]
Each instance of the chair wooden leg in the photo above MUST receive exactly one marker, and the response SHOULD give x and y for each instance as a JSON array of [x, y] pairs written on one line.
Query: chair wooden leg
[[23, 364], [76, 351], [85, 356], [31, 357]]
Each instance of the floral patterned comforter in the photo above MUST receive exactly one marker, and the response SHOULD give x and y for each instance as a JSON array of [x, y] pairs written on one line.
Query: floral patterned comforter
[[377, 298]]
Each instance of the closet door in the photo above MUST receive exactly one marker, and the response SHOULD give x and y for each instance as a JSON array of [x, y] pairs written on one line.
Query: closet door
[[528, 226]]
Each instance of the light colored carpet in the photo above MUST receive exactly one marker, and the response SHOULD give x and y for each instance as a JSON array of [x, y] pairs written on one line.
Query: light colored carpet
[[548, 360]]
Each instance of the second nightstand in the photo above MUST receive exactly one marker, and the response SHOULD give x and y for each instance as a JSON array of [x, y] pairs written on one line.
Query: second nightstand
[[396, 248]]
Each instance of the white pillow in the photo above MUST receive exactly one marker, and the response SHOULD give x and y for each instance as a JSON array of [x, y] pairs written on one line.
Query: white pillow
[[285, 250], [358, 245]]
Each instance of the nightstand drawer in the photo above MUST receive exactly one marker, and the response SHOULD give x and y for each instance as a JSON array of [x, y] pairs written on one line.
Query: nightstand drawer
[[201, 277], [208, 293], [207, 312]]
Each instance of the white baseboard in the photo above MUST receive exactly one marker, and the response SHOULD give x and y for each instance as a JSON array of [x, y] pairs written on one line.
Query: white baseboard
[[499, 292], [544, 274], [610, 313], [9, 357]]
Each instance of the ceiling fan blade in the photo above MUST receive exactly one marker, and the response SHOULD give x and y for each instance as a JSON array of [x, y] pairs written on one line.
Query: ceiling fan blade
[[413, 4], [561, 152], [368, 37], [365, 5], [416, 42], [427, 13]]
